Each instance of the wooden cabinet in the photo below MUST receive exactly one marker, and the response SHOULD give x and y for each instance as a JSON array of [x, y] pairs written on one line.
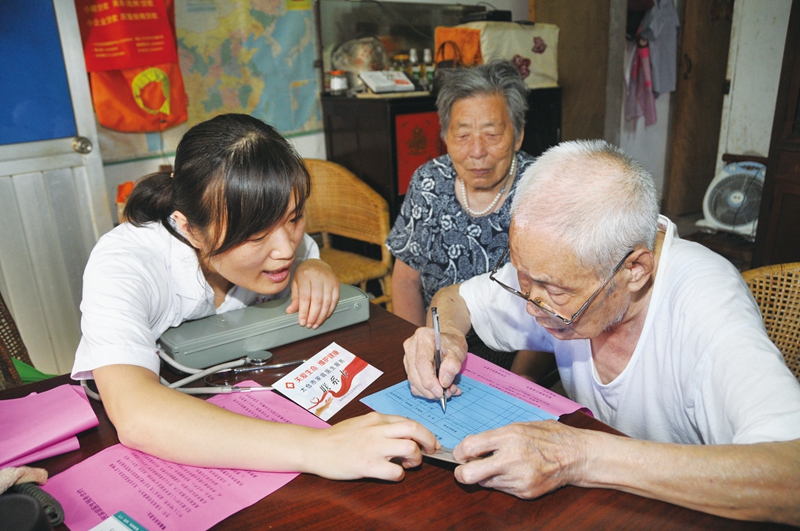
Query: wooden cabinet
[[778, 233], [383, 140]]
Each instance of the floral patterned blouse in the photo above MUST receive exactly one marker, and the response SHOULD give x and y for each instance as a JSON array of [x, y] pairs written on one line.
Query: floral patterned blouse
[[436, 236]]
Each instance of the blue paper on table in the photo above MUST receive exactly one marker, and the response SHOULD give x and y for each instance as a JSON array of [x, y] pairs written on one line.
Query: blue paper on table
[[479, 408]]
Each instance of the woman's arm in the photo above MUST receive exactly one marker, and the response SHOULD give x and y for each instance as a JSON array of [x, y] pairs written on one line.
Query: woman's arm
[[407, 293], [163, 422]]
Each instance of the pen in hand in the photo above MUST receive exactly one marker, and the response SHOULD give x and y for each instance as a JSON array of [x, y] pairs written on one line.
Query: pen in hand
[[437, 356]]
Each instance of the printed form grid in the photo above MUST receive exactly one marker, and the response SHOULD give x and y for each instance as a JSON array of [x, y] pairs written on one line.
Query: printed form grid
[[479, 408]]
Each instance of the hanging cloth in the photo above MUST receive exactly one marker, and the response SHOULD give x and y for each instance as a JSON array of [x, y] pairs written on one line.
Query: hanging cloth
[[660, 27], [639, 99], [132, 59]]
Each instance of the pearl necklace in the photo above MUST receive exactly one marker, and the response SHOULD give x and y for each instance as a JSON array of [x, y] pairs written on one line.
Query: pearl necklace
[[496, 198]]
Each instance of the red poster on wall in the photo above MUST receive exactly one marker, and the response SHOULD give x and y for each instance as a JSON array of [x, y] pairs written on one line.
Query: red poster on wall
[[120, 34], [132, 59], [417, 137]]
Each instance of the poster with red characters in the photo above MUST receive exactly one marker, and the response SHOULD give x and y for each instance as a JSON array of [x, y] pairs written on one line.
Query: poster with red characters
[[132, 58]]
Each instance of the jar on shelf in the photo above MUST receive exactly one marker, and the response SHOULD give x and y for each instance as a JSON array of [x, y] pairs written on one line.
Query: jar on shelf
[[338, 83], [400, 62]]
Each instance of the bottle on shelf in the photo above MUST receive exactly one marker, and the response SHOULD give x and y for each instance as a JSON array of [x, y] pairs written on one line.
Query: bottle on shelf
[[429, 68], [414, 67]]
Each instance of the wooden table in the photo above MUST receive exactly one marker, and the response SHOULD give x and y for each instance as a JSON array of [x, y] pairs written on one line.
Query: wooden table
[[429, 497]]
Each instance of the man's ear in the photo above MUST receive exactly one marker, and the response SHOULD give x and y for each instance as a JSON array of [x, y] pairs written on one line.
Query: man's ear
[[640, 265], [184, 228]]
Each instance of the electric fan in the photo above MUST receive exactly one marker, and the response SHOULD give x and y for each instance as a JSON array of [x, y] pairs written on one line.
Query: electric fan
[[733, 198]]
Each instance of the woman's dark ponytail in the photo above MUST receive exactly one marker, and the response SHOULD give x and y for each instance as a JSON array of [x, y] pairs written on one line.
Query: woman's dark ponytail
[[151, 200]]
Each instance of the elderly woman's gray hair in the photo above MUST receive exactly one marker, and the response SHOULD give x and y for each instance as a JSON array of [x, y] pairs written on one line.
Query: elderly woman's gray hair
[[496, 77]]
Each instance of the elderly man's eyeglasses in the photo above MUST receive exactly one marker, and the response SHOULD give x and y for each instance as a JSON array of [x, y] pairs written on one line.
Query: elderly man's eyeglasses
[[539, 303]]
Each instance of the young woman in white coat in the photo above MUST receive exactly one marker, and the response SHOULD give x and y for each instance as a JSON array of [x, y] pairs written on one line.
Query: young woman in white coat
[[223, 231]]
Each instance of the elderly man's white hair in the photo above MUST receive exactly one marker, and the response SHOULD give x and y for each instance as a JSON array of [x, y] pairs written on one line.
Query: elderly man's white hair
[[598, 200]]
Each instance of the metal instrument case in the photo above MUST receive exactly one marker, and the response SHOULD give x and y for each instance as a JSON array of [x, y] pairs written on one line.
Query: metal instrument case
[[224, 337]]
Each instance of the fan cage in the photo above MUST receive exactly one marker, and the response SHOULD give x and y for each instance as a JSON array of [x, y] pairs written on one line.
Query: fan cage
[[736, 199]]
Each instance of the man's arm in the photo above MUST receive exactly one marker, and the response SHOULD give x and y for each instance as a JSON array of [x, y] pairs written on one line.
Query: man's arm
[[744, 481], [407, 293], [454, 324], [758, 482]]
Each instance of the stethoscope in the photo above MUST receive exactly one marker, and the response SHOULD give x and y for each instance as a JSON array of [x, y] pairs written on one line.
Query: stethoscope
[[254, 362]]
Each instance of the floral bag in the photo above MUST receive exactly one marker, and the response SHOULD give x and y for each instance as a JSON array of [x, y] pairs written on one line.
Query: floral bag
[[533, 48]]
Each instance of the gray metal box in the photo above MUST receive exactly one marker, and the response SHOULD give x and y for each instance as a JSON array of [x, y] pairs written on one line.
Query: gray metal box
[[219, 338]]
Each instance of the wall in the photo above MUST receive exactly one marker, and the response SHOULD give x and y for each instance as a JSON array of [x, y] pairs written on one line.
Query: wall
[[309, 146], [759, 31], [592, 68], [758, 36], [585, 28], [648, 145]]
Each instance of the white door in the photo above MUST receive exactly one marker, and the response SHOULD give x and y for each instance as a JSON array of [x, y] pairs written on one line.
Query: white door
[[53, 199], [755, 58]]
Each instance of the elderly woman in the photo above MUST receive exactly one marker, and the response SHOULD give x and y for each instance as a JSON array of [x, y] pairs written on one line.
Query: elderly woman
[[454, 221]]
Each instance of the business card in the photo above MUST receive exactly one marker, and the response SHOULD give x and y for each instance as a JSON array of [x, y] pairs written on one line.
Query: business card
[[443, 454], [119, 522], [327, 381], [446, 454]]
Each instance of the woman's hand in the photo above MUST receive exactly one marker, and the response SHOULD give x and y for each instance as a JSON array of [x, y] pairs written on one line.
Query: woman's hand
[[369, 446], [315, 293]]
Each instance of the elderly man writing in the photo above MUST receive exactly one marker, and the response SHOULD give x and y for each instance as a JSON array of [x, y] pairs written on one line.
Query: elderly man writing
[[659, 337]]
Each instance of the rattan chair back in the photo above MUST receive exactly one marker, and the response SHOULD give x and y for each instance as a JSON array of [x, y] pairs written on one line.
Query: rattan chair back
[[11, 346], [776, 289], [342, 204]]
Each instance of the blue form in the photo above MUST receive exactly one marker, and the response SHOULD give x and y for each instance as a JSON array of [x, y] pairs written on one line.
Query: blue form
[[479, 408]]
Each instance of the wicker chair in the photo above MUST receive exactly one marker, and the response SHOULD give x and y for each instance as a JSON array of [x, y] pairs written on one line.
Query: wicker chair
[[776, 289], [11, 346], [343, 205]]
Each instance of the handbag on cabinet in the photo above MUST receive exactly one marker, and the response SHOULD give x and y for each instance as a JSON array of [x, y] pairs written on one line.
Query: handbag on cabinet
[[533, 48], [457, 47]]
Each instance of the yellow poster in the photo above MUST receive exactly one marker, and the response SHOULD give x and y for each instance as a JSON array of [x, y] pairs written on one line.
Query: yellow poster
[[298, 5]]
